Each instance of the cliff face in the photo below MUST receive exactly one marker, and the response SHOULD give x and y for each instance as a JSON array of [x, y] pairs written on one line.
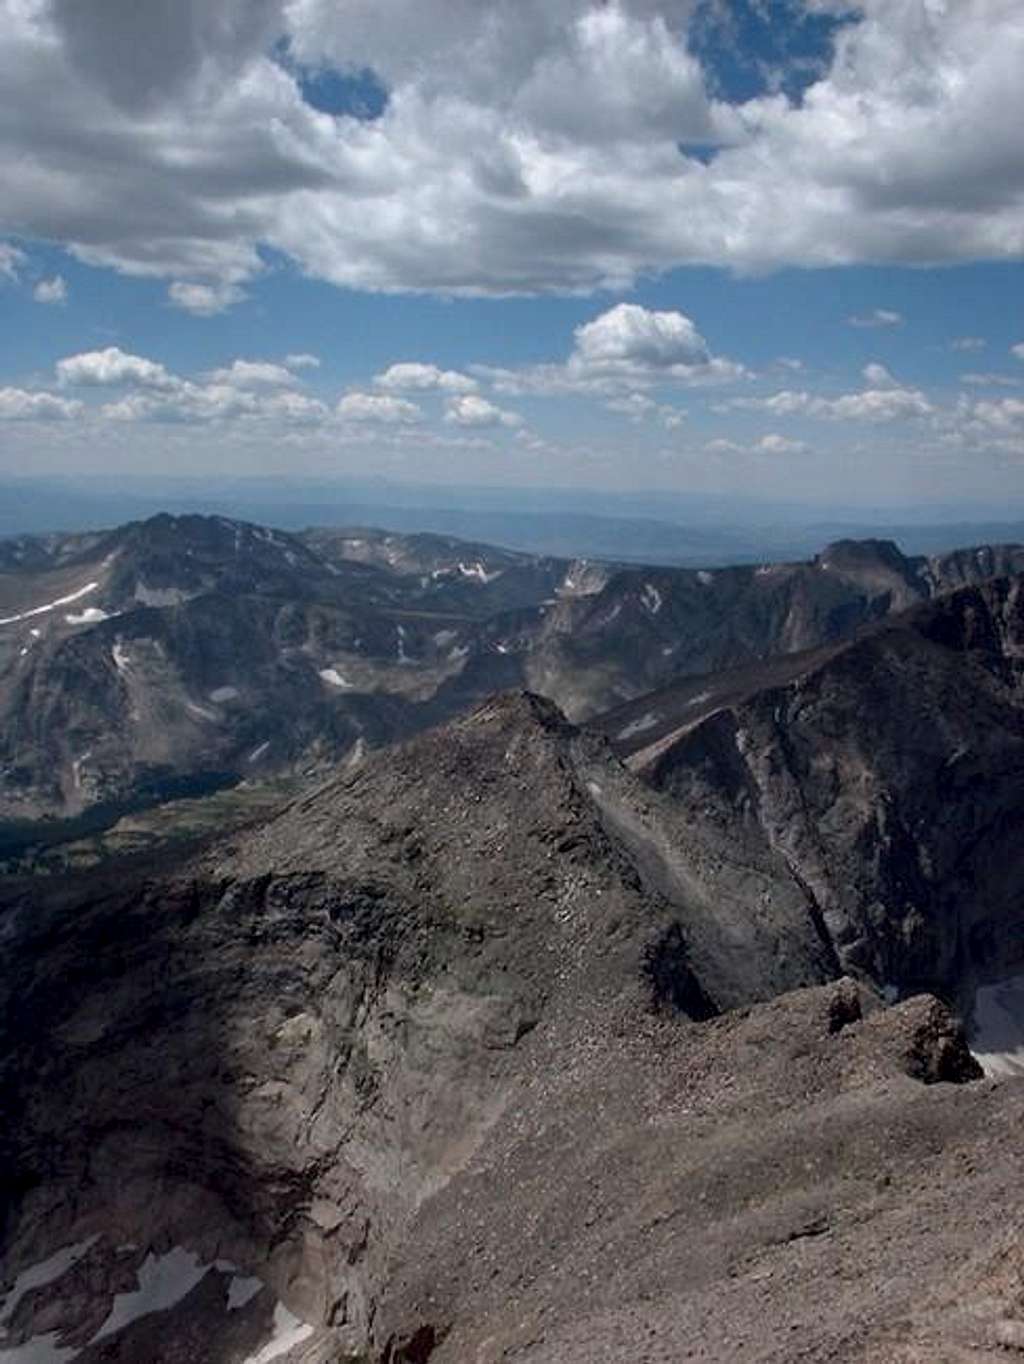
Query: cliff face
[[889, 775]]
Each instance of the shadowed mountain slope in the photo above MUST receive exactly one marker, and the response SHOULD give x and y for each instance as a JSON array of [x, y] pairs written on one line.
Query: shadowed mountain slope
[[888, 773], [486, 1049]]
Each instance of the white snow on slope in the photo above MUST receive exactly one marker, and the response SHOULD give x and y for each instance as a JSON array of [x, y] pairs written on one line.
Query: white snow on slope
[[289, 1331], [241, 1289], [333, 678], [705, 578], [258, 753], [48, 1271], [40, 1350], [122, 659], [220, 694], [647, 721], [51, 605], [161, 596], [163, 1281], [997, 1037], [477, 570], [651, 598], [92, 615]]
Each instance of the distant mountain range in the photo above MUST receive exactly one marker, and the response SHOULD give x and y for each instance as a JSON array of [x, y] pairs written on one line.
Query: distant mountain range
[[181, 653], [687, 529]]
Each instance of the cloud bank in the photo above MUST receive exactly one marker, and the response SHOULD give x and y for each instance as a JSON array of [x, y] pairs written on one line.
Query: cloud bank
[[523, 145]]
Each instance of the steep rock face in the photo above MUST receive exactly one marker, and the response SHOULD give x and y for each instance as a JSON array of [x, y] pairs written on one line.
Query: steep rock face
[[646, 627], [889, 774]]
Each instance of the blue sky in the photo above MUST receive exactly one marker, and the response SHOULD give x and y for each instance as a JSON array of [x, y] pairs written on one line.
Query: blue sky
[[745, 247]]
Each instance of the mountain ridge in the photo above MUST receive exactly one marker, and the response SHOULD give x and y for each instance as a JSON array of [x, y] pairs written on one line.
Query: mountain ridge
[[201, 648]]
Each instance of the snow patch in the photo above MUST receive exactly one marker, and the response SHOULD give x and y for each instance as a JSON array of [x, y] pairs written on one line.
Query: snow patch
[[333, 678], [92, 615], [122, 659], [40, 1350], [258, 753], [645, 722], [705, 578], [76, 768], [997, 1036], [51, 605], [699, 699], [201, 712], [403, 657], [46, 1272], [289, 1331], [161, 596], [221, 694], [651, 598], [163, 1281], [477, 570], [242, 1290]]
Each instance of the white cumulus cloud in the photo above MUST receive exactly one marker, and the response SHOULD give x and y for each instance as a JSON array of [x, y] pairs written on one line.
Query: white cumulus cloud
[[254, 374], [626, 347], [472, 410], [884, 402], [378, 407], [19, 404], [53, 290], [423, 378], [877, 376], [204, 300], [774, 444], [528, 146], [114, 366]]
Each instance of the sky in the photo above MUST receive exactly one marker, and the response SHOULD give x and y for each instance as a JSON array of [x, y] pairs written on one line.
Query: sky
[[769, 248]]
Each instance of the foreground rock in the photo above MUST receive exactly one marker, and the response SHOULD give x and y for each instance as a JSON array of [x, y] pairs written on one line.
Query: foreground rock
[[483, 1050]]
